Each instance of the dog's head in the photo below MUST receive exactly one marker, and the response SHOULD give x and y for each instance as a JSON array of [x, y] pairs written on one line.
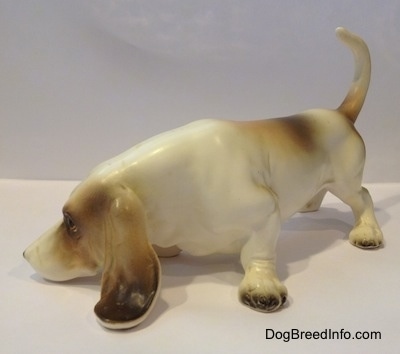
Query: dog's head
[[103, 229]]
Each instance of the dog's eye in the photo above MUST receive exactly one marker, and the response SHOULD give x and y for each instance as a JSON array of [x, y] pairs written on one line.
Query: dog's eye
[[69, 224]]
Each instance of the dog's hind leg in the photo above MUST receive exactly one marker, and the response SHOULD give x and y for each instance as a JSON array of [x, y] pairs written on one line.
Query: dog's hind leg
[[260, 288], [366, 232]]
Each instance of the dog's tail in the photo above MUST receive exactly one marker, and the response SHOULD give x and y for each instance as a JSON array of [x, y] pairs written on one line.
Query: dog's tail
[[354, 100]]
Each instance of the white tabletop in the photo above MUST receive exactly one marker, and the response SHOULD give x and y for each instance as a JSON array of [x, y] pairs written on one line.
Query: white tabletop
[[332, 286]]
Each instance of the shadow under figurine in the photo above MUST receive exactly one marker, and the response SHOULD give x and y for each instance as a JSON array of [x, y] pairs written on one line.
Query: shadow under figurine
[[210, 187]]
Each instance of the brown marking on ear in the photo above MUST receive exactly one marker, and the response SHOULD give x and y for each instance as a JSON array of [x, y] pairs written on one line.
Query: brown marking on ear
[[89, 199], [87, 207], [131, 273]]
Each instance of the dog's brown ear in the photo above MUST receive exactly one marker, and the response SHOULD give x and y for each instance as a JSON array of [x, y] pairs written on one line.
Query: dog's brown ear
[[131, 275]]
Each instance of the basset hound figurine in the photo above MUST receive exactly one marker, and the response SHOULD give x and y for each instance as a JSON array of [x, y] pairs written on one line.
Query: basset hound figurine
[[211, 186]]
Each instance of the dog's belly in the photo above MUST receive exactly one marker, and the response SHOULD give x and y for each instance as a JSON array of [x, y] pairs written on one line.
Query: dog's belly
[[228, 242], [210, 222], [200, 239]]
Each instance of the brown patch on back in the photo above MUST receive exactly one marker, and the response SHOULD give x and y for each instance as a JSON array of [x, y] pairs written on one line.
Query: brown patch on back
[[300, 130], [295, 131]]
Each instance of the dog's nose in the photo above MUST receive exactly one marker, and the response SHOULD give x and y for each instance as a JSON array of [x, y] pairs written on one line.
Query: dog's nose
[[26, 254]]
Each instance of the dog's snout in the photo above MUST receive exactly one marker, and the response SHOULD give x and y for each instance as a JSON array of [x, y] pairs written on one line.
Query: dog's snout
[[28, 253]]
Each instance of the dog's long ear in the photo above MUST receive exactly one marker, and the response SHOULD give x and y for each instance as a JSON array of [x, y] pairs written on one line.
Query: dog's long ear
[[131, 276]]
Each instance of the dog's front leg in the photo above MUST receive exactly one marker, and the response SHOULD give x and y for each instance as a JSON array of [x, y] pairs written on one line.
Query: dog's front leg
[[315, 203], [260, 288]]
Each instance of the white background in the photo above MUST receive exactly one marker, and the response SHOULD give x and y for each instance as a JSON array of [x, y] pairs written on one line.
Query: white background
[[84, 80], [81, 81]]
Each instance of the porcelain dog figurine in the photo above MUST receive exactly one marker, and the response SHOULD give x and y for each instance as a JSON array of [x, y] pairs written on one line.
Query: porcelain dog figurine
[[210, 187]]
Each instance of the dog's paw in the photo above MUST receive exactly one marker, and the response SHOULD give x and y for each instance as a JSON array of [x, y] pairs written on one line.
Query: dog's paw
[[263, 302], [262, 292], [366, 236]]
